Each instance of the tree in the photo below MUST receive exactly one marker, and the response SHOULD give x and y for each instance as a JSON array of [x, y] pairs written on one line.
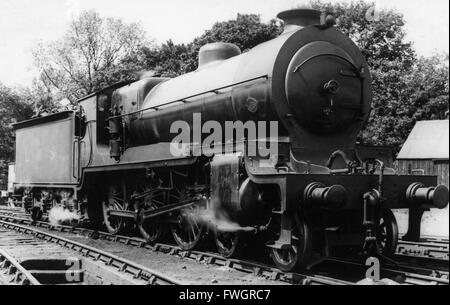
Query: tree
[[379, 34], [12, 110], [405, 89], [168, 60], [428, 89], [246, 31], [422, 95], [89, 56]]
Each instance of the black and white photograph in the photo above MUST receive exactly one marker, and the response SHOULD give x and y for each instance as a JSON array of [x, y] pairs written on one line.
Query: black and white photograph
[[229, 149]]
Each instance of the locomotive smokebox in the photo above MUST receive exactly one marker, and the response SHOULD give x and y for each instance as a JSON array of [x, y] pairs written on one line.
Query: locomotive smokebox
[[296, 19]]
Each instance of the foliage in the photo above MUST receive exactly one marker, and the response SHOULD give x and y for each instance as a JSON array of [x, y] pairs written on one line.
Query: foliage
[[420, 94], [405, 88], [380, 37], [168, 60], [12, 110], [89, 55], [246, 31]]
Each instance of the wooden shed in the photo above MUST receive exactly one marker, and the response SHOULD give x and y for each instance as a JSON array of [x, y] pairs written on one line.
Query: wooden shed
[[426, 150]]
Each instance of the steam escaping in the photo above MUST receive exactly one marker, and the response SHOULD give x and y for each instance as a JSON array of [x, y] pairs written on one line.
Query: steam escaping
[[58, 215], [216, 219], [220, 222]]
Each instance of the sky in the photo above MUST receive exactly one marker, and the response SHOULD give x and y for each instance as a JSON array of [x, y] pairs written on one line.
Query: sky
[[23, 23]]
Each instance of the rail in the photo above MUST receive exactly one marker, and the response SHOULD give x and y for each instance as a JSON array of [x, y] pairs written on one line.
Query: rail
[[21, 275], [137, 271], [413, 275], [209, 258]]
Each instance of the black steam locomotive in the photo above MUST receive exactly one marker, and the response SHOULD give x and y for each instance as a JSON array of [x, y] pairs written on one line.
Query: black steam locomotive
[[113, 159]]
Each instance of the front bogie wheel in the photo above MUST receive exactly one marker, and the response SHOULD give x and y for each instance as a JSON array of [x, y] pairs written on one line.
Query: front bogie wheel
[[297, 255], [387, 234]]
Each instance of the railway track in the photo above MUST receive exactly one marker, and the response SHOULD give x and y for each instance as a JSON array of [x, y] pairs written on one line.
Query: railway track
[[429, 247], [14, 271], [256, 269], [431, 252], [24, 251], [404, 274], [408, 274]]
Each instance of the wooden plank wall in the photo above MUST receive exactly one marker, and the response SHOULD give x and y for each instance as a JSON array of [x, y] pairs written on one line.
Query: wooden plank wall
[[442, 172], [430, 167]]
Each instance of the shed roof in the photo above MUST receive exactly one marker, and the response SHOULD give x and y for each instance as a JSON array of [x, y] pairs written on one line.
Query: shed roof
[[427, 140]]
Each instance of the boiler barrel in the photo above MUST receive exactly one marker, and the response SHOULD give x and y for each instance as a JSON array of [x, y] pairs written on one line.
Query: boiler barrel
[[234, 89]]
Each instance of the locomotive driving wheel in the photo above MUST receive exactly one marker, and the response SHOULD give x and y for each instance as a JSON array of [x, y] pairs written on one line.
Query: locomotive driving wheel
[[114, 201], [186, 229], [227, 243], [387, 233], [297, 254], [151, 229]]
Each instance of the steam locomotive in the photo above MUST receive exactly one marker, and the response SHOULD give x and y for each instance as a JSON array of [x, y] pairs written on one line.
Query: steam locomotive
[[113, 159]]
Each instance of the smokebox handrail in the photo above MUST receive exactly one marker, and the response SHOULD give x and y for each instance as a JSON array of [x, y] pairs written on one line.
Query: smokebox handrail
[[216, 91]]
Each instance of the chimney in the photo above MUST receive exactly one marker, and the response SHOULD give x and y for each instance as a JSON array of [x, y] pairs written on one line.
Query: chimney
[[296, 19]]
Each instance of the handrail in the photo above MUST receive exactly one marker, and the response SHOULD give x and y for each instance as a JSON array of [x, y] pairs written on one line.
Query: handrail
[[75, 158], [216, 91]]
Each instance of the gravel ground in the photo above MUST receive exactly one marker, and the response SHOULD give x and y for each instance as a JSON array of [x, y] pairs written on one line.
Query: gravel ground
[[3, 280]]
